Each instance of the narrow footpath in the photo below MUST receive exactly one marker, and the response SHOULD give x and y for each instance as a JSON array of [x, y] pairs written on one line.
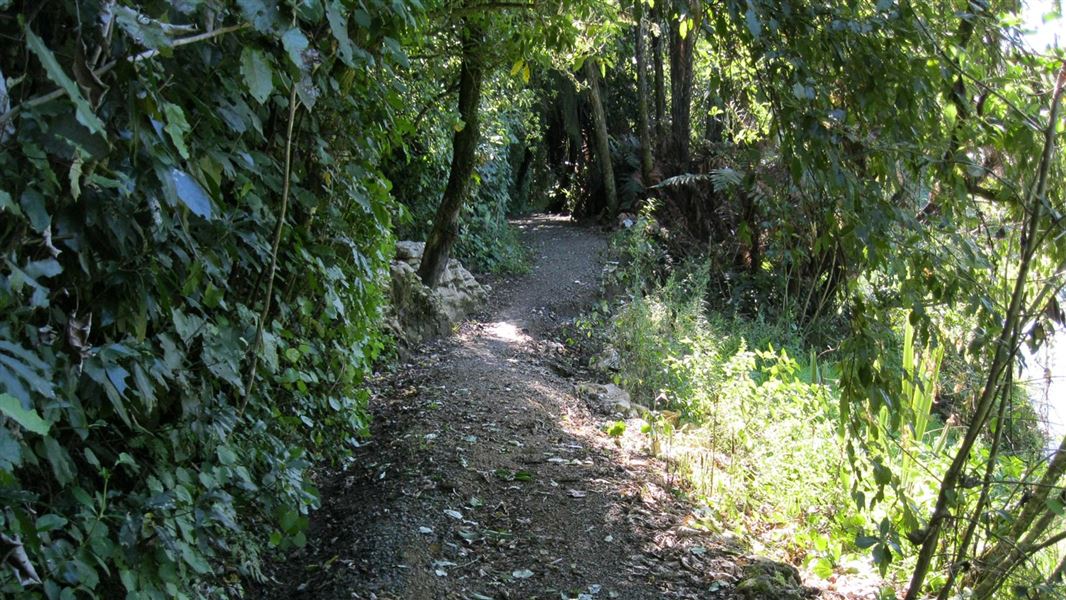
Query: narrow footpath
[[488, 476]]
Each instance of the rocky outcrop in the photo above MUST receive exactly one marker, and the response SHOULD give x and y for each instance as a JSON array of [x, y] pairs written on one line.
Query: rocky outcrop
[[416, 312], [609, 399]]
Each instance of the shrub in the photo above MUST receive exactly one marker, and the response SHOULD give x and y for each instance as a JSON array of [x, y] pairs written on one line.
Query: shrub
[[142, 450]]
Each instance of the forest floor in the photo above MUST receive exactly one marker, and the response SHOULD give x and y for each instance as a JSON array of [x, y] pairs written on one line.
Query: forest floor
[[489, 476]]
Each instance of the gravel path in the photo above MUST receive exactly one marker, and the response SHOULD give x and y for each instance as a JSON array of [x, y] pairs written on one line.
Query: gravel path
[[489, 477]]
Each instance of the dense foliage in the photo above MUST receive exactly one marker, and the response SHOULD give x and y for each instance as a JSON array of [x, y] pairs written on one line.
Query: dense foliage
[[144, 208], [851, 223]]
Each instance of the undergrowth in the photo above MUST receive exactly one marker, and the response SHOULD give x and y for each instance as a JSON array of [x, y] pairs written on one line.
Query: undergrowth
[[747, 416]]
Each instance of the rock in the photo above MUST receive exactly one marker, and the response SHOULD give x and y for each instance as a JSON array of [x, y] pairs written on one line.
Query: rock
[[608, 360], [407, 250], [768, 580], [609, 398], [416, 312]]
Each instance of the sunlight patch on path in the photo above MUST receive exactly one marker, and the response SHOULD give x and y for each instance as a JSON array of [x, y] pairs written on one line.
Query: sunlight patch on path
[[507, 332]]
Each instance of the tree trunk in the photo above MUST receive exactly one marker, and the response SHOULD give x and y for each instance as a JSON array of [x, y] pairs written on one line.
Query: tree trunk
[[1002, 358], [992, 568], [464, 149], [660, 76], [603, 145], [644, 127], [681, 55], [521, 180], [714, 126]]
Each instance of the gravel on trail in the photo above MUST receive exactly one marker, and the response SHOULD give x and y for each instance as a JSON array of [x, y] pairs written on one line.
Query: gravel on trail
[[488, 476]]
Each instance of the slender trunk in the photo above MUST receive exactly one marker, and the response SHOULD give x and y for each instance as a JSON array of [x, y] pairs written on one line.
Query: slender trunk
[[681, 57], [521, 180], [1004, 354], [603, 145], [660, 77], [714, 127], [464, 150], [982, 500], [644, 127], [1056, 575], [995, 563]]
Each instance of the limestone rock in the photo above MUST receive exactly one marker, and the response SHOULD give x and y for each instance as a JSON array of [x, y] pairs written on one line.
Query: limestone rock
[[609, 398], [416, 312], [407, 250], [769, 580], [608, 360]]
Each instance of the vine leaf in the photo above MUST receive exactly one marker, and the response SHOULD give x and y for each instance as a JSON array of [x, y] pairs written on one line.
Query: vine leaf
[[339, 26], [258, 75], [260, 13], [84, 113], [28, 419], [295, 43], [59, 458], [145, 31], [176, 127], [181, 186]]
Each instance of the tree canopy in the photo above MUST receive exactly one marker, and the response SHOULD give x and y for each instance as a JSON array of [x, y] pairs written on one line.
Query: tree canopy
[[200, 198]]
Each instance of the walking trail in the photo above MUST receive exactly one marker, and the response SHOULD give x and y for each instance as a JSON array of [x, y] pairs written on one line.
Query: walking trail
[[488, 476]]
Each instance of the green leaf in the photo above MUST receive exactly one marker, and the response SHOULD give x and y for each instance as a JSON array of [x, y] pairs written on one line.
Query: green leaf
[[7, 204], [823, 568], [50, 522], [143, 30], [57, 456], [176, 127], [28, 419], [754, 26], [194, 559], [260, 13], [33, 206], [295, 43], [226, 456], [289, 520], [258, 75], [950, 114], [865, 541], [338, 25], [181, 186], [84, 112]]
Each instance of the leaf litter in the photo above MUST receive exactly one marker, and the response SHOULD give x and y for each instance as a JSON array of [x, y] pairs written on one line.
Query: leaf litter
[[615, 531]]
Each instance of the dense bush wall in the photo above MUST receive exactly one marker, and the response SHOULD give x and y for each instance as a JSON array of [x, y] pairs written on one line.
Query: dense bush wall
[[151, 435]]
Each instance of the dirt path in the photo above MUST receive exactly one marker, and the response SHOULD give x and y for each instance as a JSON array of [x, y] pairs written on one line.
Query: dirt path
[[488, 477]]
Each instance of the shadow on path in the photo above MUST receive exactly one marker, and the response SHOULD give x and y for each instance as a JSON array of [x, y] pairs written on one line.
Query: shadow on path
[[487, 477]]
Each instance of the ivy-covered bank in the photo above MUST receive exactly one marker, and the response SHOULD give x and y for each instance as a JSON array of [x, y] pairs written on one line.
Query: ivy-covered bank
[[185, 186]]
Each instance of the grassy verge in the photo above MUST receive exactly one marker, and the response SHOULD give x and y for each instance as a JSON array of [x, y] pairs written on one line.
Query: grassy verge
[[748, 420]]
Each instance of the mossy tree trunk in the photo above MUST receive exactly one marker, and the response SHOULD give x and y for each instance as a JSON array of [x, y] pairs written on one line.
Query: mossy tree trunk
[[464, 153], [683, 33], [644, 125], [603, 145]]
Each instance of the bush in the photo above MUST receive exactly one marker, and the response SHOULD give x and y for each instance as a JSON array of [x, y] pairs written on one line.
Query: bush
[[141, 453]]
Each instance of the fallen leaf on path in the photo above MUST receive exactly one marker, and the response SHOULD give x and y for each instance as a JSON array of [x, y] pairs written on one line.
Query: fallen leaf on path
[[454, 514]]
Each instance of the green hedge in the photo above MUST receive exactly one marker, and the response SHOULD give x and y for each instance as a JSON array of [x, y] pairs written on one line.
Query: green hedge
[[139, 207]]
